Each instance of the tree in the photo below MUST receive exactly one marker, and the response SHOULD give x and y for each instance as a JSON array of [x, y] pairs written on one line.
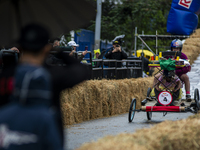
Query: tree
[[122, 18]]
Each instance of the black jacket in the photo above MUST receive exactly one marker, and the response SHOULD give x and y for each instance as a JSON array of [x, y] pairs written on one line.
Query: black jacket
[[116, 55], [62, 77], [65, 77], [28, 127], [145, 65]]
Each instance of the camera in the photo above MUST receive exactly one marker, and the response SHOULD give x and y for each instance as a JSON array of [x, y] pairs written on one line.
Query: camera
[[62, 48], [117, 45], [86, 48], [8, 57]]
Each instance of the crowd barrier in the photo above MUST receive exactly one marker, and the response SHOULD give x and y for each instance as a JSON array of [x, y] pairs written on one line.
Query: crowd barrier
[[127, 68]]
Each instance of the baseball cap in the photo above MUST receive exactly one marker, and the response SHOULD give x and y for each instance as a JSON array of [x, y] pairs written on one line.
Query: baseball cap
[[72, 43], [117, 42], [33, 37]]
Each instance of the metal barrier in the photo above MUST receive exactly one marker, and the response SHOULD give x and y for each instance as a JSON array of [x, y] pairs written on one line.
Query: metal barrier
[[129, 68]]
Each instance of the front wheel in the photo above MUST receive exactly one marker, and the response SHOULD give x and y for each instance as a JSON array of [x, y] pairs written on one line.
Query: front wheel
[[149, 115], [132, 110], [196, 98], [148, 92]]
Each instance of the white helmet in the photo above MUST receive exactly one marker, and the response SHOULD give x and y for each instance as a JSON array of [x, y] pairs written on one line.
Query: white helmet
[[72, 43]]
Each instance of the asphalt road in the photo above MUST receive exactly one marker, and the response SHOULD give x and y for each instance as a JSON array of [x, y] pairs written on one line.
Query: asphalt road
[[89, 131]]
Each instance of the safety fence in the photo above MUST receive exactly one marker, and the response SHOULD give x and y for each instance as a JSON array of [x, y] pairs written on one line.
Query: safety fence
[[111, 68], [116, 69]]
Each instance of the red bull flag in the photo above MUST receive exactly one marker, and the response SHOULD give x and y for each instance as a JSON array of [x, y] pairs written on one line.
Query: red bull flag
[[183, 17]]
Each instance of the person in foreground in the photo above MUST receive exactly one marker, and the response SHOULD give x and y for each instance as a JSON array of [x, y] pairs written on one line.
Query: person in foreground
[[27, 123]]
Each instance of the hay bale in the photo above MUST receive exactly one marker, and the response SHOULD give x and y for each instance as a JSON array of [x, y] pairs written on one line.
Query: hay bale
[[191, 46], [94, 96], [179, 135], [102, 98]]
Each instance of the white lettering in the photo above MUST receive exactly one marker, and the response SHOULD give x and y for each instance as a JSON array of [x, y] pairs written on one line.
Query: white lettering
[[8, 137]]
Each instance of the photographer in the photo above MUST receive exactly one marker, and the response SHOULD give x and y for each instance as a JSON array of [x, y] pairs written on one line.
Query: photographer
[[117, 52], [8, 62], [74, 45], [52, 59]]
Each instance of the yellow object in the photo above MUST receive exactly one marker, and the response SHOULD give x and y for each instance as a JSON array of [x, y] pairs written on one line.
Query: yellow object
[[156, 57], [84, 61], [177, 58], [160, 54], [96, 51], [155, 64], [152, 94], [147, 53]]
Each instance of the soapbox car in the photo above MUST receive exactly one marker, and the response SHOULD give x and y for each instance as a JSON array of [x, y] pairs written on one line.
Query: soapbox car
[[164, 102]]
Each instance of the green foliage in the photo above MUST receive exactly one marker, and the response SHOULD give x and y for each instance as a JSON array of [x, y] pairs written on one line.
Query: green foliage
[[122, 18]]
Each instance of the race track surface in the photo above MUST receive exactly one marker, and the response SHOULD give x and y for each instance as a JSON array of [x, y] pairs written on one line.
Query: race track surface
[[92, 130]]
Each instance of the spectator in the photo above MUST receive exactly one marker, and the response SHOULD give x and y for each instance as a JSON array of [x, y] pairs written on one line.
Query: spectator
[[51, 59], [97, 64], [74, 45], [65, 77], [100, 55], [145, 65], [116, 53], [27, 121], [97, 53], [8, 64], [147, 71], [15, 49], [61, 78], [55, 42]]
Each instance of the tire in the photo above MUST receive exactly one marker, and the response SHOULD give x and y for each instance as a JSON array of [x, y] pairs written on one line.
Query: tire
[[196, 98], [148, 92], [196, 94], [132, 110], [149, 114]]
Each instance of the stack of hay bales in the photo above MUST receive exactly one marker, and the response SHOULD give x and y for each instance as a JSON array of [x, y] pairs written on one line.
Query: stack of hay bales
[[191, 47], [177, 135], [102, 98]]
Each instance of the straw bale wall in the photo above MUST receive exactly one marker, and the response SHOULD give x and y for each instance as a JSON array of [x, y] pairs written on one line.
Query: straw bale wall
[[177, 135], [191, 47], [102, 98]]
